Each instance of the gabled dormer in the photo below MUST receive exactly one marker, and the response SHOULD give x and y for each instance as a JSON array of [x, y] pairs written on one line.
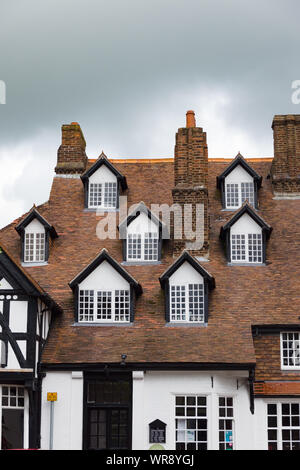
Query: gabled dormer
[[35, 233], [245, 236], [239, 183], [186, 284], [102, 185], [142, 234], [104, 292]]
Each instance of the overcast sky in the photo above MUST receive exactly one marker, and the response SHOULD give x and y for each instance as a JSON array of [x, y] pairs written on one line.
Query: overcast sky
[[127, 71]]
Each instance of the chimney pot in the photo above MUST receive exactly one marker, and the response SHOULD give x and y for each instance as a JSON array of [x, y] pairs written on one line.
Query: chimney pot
[[190, 119]]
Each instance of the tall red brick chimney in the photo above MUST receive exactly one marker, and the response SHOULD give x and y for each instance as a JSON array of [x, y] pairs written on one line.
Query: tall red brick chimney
[[285, 169], [190, 185], [71, 156]]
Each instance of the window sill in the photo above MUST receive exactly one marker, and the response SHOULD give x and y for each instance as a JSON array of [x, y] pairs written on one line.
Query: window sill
[[246, 264], [42, 263], [290, 369], [101, 209], [102, 324], [186, 324], [140, 263]]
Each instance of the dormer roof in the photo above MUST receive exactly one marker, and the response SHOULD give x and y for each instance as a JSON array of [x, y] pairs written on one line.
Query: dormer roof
[[34, 214], [246, 209], [105, 256], [141, 208], [239, 160], [186, 257], [103, 160]]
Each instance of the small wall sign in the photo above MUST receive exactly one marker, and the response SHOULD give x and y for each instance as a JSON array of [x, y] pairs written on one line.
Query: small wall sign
[[157, 432], [52, 396]]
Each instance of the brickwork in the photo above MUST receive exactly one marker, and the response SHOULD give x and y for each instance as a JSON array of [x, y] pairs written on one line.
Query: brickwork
[[71, 156], [268, 362], [285, 169], [190, 181]]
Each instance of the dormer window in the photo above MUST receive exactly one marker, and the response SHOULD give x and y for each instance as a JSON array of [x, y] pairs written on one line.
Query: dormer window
[[102, 183], [245, 237], [35, 231], [142, 235], [239, 183], [186, 286], [104, 292], [34, 244]]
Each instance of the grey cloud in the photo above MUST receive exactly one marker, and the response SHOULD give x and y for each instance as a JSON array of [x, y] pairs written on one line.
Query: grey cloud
[[118, 67]]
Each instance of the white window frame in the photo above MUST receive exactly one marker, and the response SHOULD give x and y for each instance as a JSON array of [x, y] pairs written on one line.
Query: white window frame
[[240, 200], [207, 416], [287, 367], [104, 188], [26, 414], [154, 235], [279, 428], [247, 244], [225, 418], [113, 306], [27, 243], [186, 287]]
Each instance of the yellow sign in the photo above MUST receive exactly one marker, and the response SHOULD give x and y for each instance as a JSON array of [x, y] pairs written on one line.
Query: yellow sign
[[52, 396]]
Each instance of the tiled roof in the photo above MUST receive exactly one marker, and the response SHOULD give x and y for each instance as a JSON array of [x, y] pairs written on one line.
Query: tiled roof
[[243, 295]]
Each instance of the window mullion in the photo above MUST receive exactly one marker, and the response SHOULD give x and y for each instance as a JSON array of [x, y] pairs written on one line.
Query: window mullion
[[142, 246], [247, 247], [113, 312], [187, 305], [95, 309], [279, 426]]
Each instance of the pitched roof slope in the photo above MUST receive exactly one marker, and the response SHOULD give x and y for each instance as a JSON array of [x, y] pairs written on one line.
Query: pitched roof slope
[[243, 296]]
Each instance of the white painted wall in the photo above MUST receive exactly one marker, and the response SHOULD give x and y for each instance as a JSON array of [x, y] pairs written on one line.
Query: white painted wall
[[18, 316], [4, 284], [142, 224], [238, 175], [154, 398], [68, 410], [35, 227], [104, 277], [103, 175], [245, 225], [184, 275]]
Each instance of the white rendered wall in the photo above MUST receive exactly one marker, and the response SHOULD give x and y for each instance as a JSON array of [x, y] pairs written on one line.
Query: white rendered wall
[[154, 398], [103, 175], [238, 175], [245, 225], [142, 224], [104, 277], [186, 274], [68, 410], [18, 311], [4, 284], [35, 227]]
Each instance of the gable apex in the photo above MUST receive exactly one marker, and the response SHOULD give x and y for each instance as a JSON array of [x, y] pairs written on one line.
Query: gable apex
[[246, 209], [34, 214], [105, 256], [239, 160], [186, 257], [141, 208], [103, 160]]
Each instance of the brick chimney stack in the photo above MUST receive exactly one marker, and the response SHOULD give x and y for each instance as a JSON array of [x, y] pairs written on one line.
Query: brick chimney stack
[[285, 169], [190, 185], [71, 156]]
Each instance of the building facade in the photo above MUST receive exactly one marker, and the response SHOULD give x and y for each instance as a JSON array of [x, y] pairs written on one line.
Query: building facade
[[154, 303]]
